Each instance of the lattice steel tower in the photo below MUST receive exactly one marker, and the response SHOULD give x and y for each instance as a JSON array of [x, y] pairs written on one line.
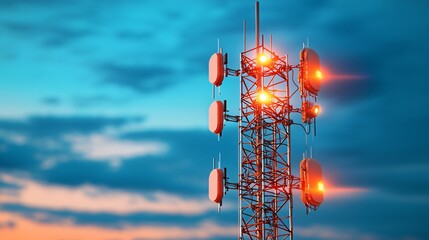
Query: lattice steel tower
[[265, 181]]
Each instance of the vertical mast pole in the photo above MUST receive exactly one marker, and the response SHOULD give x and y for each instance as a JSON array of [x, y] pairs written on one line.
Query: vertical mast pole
[[289, 155], [257, 24], [259, 139]]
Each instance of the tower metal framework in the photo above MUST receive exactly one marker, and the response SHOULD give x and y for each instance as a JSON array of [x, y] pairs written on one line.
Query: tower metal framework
[[265, 180]]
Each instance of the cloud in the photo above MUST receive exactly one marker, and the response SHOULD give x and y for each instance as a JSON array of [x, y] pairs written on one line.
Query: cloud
[[60, 135], [51, 34], [327, 232], [116, 221], [55, 126], [70, 155], [28, 229], [13, 137], [99, 147], [17, 156], [98, 200], [183, 152], [140, 78], [97, 100], [7, 224], [44, 141]]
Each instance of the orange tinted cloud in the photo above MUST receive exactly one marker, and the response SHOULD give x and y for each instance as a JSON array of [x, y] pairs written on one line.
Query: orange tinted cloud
[[93, 199], [26, 229]]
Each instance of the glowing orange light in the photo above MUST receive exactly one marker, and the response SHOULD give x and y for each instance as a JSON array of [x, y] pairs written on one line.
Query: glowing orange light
[[263, 59], [264, 97], [321, 187], [319, 74], [316, 110]]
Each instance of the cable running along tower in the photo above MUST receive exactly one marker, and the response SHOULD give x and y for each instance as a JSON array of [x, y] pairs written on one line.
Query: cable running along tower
[[265, 180]]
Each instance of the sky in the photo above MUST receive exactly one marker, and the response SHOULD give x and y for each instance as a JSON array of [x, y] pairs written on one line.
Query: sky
[[103, 116]]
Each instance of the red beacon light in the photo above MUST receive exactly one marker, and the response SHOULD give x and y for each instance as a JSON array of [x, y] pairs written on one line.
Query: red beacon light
[[216, 117], [309, 111], [264, 97], [315, 110], [312, 188], [310, 73], [216, 69], [263, 59]]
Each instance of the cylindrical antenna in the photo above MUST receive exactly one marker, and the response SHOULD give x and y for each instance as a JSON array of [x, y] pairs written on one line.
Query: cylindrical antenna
[[244, 35], [263, 40], [306, 141], [314, 127], [220, 159], [257, 23]]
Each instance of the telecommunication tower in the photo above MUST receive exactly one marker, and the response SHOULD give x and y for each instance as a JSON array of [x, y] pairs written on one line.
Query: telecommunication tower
[[265, 180]]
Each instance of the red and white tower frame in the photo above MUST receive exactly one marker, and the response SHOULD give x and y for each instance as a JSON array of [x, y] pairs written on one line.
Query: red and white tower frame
[[265, 181]]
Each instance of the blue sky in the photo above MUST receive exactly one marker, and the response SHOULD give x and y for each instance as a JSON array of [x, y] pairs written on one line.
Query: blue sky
[[103, 116]]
